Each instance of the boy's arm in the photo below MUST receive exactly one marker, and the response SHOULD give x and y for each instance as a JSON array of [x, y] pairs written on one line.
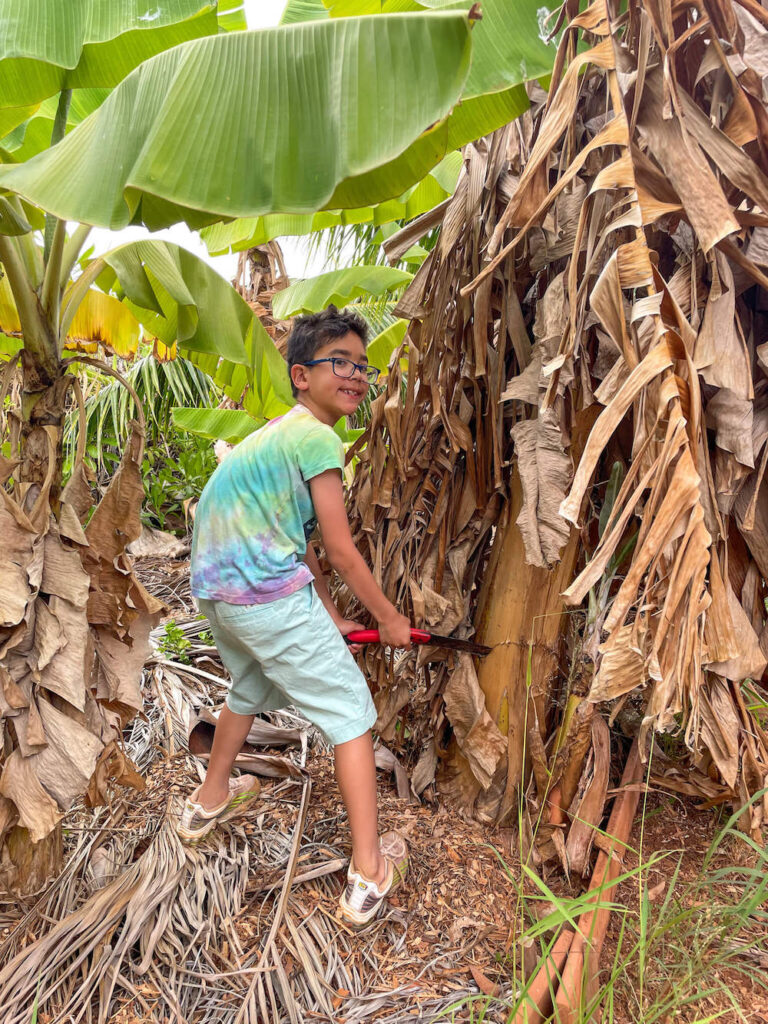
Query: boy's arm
[[328, 499], [321, 586]]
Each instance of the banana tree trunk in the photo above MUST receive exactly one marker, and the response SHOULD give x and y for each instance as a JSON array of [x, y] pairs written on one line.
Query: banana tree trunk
[[74, 621], [521, 617], [36, 431]]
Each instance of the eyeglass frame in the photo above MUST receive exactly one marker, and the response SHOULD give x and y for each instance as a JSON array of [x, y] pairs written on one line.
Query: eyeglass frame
[[362, 367]]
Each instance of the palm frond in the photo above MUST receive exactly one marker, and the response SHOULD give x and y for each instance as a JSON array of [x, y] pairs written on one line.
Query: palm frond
[[109, 407]]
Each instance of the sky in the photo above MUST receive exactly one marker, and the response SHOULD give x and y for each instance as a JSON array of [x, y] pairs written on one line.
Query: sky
[[260, 14]]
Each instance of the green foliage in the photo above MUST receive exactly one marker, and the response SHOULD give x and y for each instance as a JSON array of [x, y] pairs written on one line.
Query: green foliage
[[47, 45], [231, 425], [34, 135], [174, 643], [672, 954], [297, 11], [175, 466], [338, 287], [178, 297], [383, 345], [506, 51], [109, 407], [174, 473], [260, 383], [335, 100], [244, 233]]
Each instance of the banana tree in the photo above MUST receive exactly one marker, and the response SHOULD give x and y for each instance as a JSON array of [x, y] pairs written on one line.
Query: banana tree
[[74, 620]]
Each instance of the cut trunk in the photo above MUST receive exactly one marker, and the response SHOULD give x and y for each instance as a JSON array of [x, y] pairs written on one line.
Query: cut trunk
[[520, 617]]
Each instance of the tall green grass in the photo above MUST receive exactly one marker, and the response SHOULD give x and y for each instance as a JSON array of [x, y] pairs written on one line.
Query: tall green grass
[[678, 955]]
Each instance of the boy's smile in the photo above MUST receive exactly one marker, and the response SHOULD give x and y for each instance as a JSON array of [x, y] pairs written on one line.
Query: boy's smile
[[326, 394]]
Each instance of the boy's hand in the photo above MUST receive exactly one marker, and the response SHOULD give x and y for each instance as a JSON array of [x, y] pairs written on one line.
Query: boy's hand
[[395, 630], [346, 626]]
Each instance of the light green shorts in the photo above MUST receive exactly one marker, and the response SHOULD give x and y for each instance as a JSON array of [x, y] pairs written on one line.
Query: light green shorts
[[290, 652]]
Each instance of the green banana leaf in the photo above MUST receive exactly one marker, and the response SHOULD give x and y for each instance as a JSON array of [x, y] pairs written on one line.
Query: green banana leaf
[[231, 16], [509, 44], [178, 297], [380, 350], [245, 233], [50, 45], [338, 287], [180, 300], [282, 116], [33, 135], [508, 49], [234, 425], [296, 11], [261, 384], [11, 117], [230, 425]]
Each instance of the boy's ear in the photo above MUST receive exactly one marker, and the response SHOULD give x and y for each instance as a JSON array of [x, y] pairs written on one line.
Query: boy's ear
[[299, 377]]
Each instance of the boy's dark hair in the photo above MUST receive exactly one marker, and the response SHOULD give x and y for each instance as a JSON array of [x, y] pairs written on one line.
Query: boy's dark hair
[[313, 331]]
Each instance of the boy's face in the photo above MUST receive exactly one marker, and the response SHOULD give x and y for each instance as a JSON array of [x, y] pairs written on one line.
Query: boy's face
[[323, 390]]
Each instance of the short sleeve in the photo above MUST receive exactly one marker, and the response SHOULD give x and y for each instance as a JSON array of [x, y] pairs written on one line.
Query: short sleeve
[[320, 449]]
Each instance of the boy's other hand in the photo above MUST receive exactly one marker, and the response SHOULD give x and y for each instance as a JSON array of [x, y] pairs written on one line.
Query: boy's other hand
[[395, 631], [347, 626]]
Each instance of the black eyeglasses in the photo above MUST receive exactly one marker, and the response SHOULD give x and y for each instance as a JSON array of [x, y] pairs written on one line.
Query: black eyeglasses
[[346, 368]]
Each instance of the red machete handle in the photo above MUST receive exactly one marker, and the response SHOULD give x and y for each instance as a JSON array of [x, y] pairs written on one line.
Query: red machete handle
[[371, 636]]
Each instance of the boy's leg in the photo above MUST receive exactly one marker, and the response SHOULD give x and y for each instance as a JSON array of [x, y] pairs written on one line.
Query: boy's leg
[[356, 776], [231, 732]]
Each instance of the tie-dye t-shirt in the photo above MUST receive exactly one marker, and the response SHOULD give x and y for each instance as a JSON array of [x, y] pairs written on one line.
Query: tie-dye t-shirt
[[255, 513]]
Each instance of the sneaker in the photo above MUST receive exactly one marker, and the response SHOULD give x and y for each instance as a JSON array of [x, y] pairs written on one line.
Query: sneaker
[[196, 821], [362, 899]]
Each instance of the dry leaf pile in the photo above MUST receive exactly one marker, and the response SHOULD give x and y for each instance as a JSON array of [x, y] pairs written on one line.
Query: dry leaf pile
[[587, 388], [243, 927]]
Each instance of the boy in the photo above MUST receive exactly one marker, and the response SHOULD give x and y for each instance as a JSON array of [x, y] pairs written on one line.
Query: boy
[[259, 584]]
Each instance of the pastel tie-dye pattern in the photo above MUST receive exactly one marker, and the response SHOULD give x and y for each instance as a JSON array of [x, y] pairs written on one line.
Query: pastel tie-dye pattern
[[255, 513]]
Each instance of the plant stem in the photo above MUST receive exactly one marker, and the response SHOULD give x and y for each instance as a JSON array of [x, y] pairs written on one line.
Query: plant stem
[[31, 258], [59, 127], [51, 292], [72, 248], [35, 329]]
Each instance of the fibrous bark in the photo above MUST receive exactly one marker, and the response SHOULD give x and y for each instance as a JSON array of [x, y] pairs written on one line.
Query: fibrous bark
[[74, 625], [599, 273]]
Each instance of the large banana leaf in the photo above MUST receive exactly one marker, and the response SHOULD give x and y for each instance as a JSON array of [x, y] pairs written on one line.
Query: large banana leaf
[[508, 42], [180, 300], [508, 49], [338, 287], [179, 297], [33, 133], [230, 425], [282, 116], [244, 233], [303, 10], [49, 45], [102, 320], [380, 349]]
